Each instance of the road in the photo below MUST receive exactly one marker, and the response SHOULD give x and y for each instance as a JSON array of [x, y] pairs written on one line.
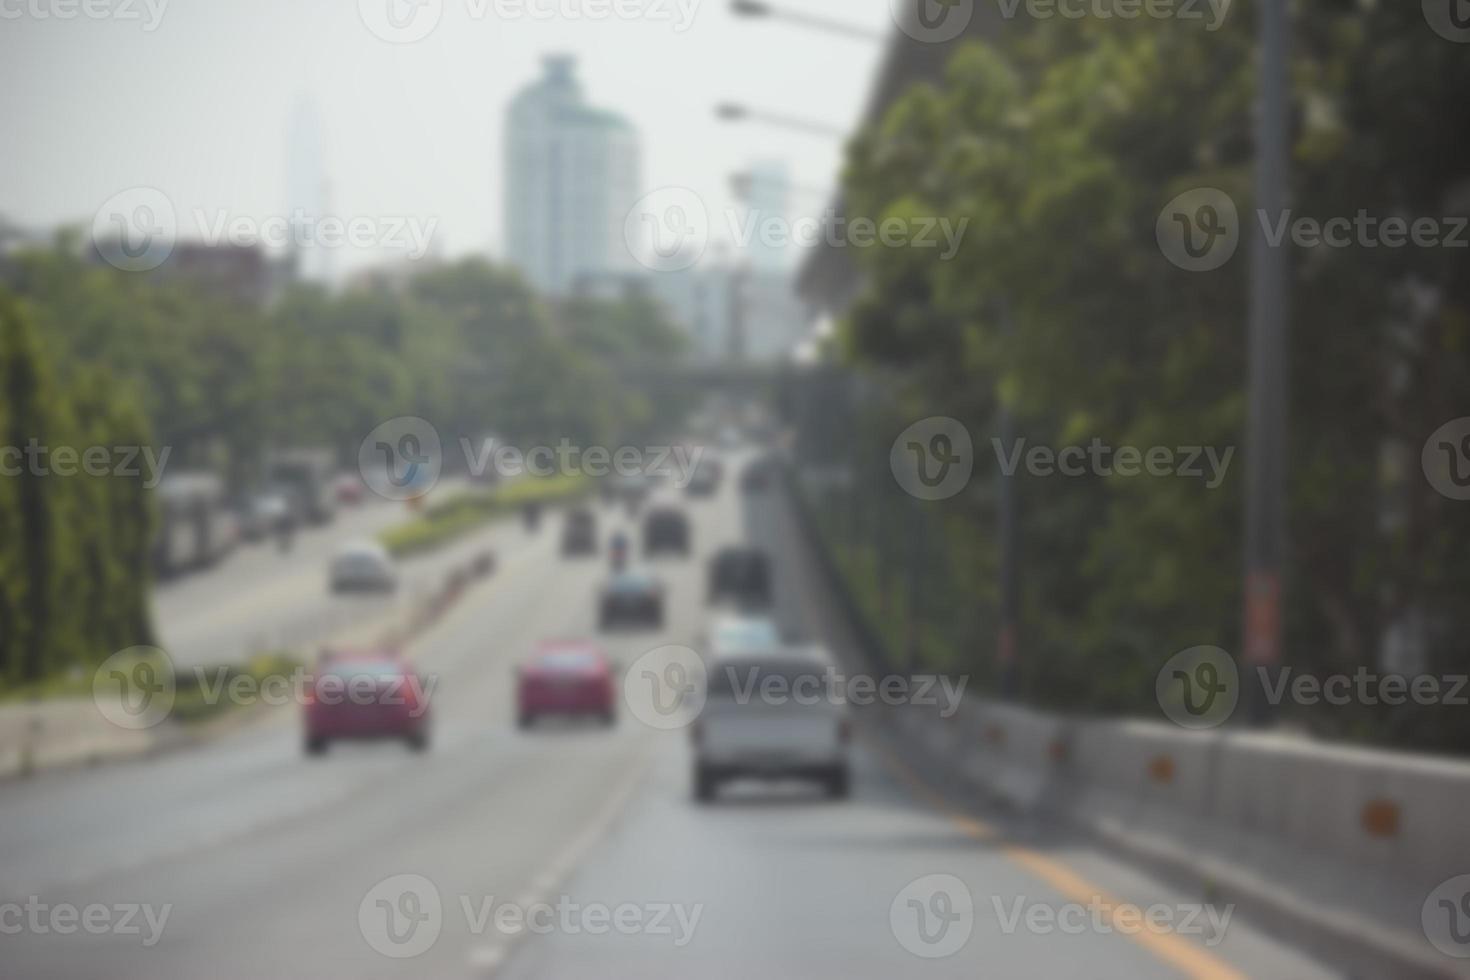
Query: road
[[261, 598], [272, 864]]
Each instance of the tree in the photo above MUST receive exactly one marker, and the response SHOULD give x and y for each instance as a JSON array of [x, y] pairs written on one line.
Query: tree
[[41, 554], [1061, 148]]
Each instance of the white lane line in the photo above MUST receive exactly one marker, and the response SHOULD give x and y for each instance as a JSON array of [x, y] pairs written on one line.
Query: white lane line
[[488, 958]]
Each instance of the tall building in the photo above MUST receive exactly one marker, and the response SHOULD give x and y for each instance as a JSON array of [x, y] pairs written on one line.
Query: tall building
[[306, 187], [766, 200], [571, 177]]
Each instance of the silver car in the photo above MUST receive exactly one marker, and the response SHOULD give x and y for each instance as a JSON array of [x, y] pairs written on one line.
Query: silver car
[[363, 566], [771, 716]]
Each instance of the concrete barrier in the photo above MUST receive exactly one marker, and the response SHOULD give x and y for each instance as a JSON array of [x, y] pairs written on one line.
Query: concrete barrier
[[1334, 848], [1390, 813]]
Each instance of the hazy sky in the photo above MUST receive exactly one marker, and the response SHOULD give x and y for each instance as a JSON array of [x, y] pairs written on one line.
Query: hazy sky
[[200, 106]]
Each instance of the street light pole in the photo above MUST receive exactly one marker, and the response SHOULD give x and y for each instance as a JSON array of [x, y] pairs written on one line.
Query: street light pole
[[1265, 522], [758, 9], [734, 112]]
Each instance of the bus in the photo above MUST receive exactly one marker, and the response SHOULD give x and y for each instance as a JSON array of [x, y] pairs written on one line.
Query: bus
[[196, 526]]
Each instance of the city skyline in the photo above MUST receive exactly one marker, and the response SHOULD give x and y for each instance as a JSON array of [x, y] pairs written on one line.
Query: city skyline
[[407, 129]]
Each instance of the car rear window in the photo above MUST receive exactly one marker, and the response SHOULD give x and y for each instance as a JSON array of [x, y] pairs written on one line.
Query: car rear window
[[364, 668], [749, 636], [730, 679], [568, 660]]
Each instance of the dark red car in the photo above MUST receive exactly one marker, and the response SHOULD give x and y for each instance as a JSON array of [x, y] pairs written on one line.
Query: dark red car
[[566, 677], [349, 490], [369, 694]]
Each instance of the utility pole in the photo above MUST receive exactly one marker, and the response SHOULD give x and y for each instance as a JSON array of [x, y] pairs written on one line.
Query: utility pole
[[1008, 635], [738, 311], [915, 599], [1265, 522]]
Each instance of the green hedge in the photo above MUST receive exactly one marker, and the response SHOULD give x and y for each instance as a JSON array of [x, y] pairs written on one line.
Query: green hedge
[[443, 522]]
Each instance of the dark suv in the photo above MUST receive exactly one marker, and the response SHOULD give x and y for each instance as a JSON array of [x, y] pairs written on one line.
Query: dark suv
[[741, 574], [665, 530]]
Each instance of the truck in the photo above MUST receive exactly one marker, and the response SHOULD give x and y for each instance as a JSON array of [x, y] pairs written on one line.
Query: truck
[[308, 475], [196, 526]]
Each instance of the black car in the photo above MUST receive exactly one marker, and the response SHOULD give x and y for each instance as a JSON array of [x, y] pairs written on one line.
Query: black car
[[579, 533], [756, 477], [742, 575], [705, 480], [665, 530], [631, 598]]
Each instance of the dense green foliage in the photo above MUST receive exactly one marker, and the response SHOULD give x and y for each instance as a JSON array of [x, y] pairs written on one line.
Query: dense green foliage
[[73, 544], [1062, 144], [467, 345], [90, 356]]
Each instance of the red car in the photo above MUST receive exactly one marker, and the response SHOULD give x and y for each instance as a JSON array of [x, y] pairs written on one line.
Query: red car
[[369, 694], [566, 677], [349, 490]]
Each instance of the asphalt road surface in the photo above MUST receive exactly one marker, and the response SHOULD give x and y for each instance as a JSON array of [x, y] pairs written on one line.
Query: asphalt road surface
[[260, 598], [567, 851]]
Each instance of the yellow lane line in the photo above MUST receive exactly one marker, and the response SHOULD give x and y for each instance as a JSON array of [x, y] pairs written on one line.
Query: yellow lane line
[[1127, 918]]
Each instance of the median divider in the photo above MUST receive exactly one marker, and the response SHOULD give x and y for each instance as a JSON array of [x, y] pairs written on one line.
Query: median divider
[[446, 520]]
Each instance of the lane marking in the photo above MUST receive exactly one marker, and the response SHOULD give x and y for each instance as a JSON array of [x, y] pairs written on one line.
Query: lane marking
[[1186, 956], [489, 957]]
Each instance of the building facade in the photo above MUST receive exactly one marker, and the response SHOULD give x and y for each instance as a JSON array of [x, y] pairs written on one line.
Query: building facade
[[571, 177]]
